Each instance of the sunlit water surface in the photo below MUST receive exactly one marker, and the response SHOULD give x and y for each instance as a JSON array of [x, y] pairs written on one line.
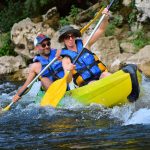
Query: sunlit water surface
[[29, 126]]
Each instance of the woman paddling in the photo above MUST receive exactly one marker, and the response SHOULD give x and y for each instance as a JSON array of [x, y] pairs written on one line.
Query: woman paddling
[[88, 66]]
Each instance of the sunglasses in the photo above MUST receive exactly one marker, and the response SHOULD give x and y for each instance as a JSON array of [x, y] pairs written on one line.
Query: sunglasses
[[44, 44], [67, 37]]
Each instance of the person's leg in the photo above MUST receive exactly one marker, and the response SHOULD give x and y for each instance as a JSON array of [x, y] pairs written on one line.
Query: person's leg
[[105, 74], [46, 82]]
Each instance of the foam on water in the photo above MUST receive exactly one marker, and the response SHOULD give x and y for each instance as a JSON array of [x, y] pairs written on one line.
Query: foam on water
[[142, 116], [136, 113], [35, 89]]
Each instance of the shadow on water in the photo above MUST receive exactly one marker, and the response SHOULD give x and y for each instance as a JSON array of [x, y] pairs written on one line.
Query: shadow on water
[[29, 126]]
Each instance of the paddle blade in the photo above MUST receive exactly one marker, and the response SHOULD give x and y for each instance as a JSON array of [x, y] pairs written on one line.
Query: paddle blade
[[55, 92], [6, 108]]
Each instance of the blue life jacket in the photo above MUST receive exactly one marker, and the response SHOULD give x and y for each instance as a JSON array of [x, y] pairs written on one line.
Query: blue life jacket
[[55, 71], [88, 66]]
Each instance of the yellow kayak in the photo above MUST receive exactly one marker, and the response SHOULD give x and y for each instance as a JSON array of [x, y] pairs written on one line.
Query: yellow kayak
[[117, 89]]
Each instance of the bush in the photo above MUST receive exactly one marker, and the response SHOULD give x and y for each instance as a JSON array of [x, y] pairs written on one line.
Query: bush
[[141, 40], [110, 29], [118, 20], [139, 43], [71, 19], [35, 7], [74, 11], [132, 17], [10, 15], [7, 47], [117, 5], [64, 21], [15, 11]]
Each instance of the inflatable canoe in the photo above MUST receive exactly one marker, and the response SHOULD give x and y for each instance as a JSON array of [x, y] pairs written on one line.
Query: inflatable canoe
[[117, 89]]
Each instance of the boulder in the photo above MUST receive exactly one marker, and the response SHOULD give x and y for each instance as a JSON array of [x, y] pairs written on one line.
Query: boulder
[[143, 7], [24, 32], [107, 48], [128, 47], [13, 68], [142, 59]]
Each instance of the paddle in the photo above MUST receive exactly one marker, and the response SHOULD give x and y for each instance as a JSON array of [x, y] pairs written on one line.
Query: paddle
[[22, 93], [93, 20], [57, 89]]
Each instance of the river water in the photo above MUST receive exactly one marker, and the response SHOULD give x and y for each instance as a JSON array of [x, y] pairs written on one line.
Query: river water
[[30, 127]]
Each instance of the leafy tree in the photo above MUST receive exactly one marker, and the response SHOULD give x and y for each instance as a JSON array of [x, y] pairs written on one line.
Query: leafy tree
[[9, 15], [34, 7], [7, 48]]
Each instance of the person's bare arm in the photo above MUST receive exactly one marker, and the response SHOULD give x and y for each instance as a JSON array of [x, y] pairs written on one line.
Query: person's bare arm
[[32, 73], [100, 31], [68, 66]]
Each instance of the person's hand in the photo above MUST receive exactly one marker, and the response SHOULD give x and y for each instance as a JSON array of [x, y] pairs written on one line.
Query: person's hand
[[58, 54], [106, 12], [16, 98], [70, 67]]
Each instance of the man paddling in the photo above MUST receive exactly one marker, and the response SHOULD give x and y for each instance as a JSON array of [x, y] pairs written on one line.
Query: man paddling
[[88, 66], [46, 54]]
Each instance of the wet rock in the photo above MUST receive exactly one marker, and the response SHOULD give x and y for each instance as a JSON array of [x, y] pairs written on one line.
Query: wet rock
[[128, 47], [142, 59]]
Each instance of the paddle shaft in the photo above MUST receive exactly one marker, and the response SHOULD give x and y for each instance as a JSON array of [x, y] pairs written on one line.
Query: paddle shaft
[[96, 27]]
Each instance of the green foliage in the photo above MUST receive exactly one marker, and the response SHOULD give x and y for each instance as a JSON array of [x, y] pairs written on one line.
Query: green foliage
[[16, 11], [132, 17], [103, 3], [64, 21], [9, 15], [74, 11], [44, 2], [31, 6], [139, 43], [71, 18], [73, 14], [7, 48], [118, 20], [132, 4], [34, 7], [141, 40], [115, 6], [110, 29]]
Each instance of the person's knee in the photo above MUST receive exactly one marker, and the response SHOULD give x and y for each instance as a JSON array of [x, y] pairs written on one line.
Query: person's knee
[[105, 74], [46, 82]]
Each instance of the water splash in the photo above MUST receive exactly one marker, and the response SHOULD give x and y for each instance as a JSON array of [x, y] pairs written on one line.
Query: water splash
[[35, 89], [138, 112], [142, 116]]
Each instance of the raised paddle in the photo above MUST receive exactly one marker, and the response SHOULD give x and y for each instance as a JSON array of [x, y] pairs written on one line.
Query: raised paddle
[[57, 89], [92, 21], [71, 84], [22, 93]]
